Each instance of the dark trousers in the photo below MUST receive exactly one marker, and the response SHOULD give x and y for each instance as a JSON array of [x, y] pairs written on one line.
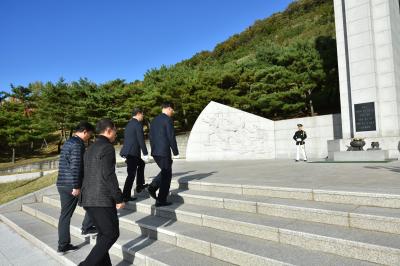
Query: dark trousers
[[163, 180], [107, 224], [134, 164], [68, 205]]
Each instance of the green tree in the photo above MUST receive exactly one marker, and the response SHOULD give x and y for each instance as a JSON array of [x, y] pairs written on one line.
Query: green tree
[[15, 126]]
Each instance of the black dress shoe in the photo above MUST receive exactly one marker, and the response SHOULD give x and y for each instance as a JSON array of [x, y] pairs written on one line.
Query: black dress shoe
[[91, 230], [141, 188], [152, 191], [130, 199], [68, 248], [163, 203]]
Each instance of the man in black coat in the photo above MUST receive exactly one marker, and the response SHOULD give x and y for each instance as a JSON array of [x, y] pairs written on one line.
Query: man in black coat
[[162, 141], [100, 195], [133, 143], [299, 136], [69, 182]]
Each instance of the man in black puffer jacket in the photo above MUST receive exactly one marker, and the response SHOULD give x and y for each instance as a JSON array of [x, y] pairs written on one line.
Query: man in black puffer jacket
[[69, 182], [101, 195]]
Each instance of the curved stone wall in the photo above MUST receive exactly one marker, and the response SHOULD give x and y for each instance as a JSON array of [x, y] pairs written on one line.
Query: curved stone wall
[[225, 133]]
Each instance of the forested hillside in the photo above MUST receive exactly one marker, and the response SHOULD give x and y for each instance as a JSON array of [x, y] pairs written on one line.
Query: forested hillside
[[280, 67]]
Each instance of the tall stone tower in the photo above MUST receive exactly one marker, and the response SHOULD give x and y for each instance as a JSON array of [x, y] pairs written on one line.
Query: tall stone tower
[[368, 46]]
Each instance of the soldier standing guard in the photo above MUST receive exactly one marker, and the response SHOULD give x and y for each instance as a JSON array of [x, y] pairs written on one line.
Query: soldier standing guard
[[299, 137]]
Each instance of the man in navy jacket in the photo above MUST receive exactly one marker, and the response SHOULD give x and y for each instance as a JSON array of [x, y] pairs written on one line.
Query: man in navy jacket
[[69, 183], [162, 141], [133, 143]]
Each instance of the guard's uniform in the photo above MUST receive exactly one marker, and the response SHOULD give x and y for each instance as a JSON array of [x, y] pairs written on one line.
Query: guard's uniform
[[299, 137]]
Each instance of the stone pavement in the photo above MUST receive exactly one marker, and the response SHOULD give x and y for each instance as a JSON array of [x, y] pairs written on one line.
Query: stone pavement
[[16, 250], [357, 177]]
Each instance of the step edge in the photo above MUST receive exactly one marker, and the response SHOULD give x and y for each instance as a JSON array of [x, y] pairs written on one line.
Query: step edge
[[37, 242]]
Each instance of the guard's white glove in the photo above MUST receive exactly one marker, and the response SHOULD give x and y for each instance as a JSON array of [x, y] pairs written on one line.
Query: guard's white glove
[[176, 157], [298, 139], [146, 158]]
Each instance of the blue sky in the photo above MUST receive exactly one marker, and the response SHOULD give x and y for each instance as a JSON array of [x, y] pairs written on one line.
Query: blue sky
[[104, 39]]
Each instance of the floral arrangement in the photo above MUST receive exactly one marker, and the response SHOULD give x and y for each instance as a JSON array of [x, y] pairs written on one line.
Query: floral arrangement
[[357, 139]]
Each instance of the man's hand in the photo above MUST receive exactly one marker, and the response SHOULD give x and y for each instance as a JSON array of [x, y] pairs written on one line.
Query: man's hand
[[146, 158], [176, 157], [120, 205], [75, 192]]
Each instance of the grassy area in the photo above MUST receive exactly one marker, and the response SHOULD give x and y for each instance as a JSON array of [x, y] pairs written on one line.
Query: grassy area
[[27, 157], [13, 190]]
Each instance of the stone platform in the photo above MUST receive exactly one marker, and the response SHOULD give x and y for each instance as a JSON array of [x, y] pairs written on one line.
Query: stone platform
[[360, 156]]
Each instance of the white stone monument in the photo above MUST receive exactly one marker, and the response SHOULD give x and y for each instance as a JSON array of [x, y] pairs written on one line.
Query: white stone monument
[[225, 133], [368, 46]]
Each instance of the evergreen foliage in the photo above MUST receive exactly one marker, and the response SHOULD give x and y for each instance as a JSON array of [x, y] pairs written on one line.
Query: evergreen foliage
[[281, 67]]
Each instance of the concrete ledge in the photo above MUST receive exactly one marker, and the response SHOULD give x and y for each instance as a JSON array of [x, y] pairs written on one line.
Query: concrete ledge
[[360, 156], [16, 205], [345, 248], [323, 195], [358, 198], [242, 258], [376, 219], [248, 229]]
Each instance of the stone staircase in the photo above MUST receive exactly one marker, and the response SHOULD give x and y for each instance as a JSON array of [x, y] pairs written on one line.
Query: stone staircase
[[228, 224]]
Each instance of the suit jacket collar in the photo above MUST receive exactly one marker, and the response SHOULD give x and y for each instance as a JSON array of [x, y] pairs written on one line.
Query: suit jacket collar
[[102, 138], [135, 120], [165, 115]]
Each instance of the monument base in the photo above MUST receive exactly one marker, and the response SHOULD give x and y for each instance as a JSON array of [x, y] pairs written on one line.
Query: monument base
[[389, 144], [360, 156]]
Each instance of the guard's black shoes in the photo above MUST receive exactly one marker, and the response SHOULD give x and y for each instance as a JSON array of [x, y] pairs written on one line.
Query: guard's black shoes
[[130, 199], [68, 248], [152, 191], [163, 203], [91, 230], [141, 188]]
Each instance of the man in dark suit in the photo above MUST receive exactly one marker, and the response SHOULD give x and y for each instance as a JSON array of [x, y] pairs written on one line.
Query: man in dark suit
[[69, 182], [162, 141], [100, 195], [133, 143]]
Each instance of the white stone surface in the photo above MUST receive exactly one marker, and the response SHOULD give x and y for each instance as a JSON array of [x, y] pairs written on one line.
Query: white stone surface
[[385, 143], [373, 35], [319, 130], [226, 133], [360, 156]]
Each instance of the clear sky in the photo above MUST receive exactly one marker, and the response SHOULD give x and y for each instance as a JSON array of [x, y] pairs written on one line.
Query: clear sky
[[108, 39]]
